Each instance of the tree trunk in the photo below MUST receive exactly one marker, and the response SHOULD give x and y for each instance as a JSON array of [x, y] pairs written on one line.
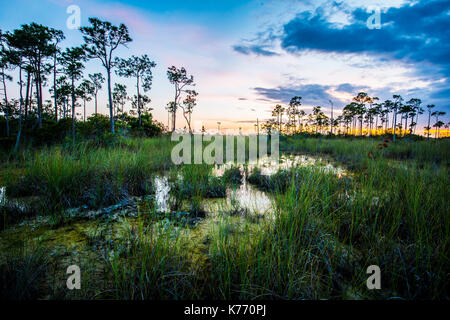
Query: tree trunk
[[281, 122], [38, 100], [73, 111], [96, 101], [6, 103], [16, 146], [39, 91], [64, 108], [376, 126], [30, 104], [111, 117], [174, 111], [406, 124], [395, 122], [27, 95], [138, 102], [54, 86], [189, 123], [417, 121], [436, 128], [429, 118]]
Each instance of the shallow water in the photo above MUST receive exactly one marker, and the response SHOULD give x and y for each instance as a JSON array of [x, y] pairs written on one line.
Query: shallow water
[[2, 195], [162, 189], [269, 167], [244, 199]]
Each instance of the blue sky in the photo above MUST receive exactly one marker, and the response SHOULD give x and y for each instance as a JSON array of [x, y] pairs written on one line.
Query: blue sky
[[246, 56]]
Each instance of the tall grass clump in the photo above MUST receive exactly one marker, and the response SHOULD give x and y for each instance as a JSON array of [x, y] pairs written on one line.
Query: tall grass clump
[[290, 258], [151, 264], [23, 273], [89, 176], [195, 182], [328, 230], [275, 183], [354, 151], [233, 176]]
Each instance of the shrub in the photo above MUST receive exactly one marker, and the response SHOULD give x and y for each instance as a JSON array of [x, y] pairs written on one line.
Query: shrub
[[233, 176]]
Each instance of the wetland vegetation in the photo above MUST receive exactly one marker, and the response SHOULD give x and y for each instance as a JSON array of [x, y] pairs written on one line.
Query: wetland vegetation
[[140, 227]]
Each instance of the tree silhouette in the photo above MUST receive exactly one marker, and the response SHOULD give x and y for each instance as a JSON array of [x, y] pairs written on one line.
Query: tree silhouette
[[428, 128], [143, 101], [360, 108], [97, 79], [15, 56], [188, 106], [348, 116], [119, 97], [396, 106], [38, 44], [5, 64], [72, 60], [416, 110], [102, 39], [85, 91], [139, 68], [293, 110], [180, 79], [63, 91], [58, 36], [438, 123]]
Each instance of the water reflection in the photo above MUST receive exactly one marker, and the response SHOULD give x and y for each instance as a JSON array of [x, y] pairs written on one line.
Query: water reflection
[[2, 195], [245, 198], [162, 190], [269, 167]]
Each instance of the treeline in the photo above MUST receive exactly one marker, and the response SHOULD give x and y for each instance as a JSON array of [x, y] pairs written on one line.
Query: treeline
[[33, 51], [365, 115]]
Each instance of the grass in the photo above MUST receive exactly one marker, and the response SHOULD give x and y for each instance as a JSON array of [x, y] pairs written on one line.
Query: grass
[[321, 243], [150, 264], [390, 209], [22, 273], [275, 183], [354, 151], [192, 184], [233, 176], [92, 177]]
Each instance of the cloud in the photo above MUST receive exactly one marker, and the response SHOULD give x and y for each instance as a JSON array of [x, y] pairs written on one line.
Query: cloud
[[407, 32], [416, 33], [349, 88], [312, 94], [254, 49]]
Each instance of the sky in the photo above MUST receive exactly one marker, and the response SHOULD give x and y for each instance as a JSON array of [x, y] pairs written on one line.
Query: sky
[[246, 55]]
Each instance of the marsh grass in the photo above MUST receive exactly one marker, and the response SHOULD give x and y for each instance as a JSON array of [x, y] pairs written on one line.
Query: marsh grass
[[191, 184], [150, 265], [233, 176], [354, 152], [390, 210], [23, 272], [321, 243], [94, 177], [275, 183]]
